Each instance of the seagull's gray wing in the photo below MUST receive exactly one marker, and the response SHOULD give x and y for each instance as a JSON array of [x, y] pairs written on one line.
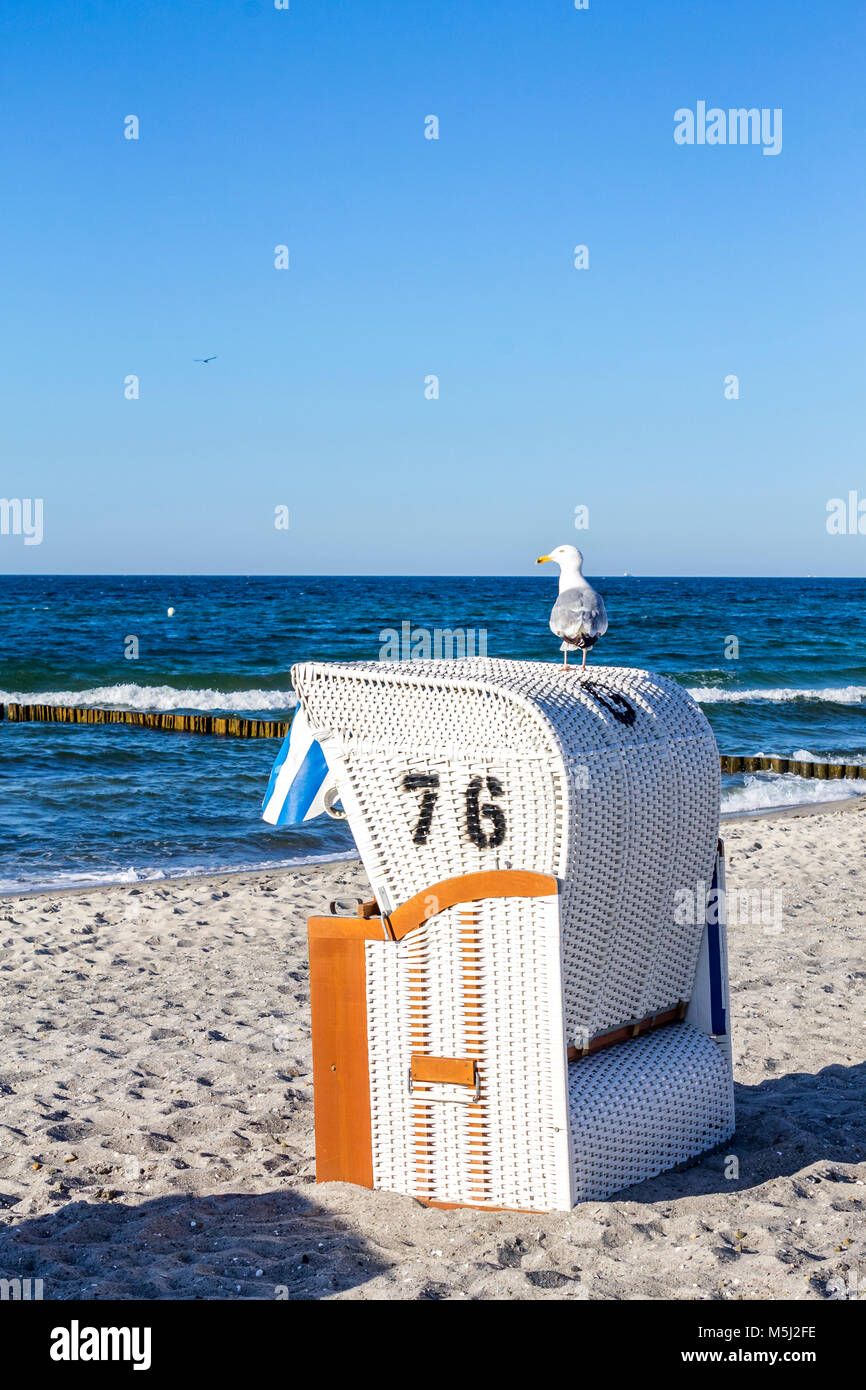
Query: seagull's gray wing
[[579, 616]]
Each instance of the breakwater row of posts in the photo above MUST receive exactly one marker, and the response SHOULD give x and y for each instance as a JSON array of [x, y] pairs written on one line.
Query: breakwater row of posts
[[236, 727], [799, 766], [149, 719]]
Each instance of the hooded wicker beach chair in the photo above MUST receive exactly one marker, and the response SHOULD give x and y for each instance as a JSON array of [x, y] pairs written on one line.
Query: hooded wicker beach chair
[[533, 1012]]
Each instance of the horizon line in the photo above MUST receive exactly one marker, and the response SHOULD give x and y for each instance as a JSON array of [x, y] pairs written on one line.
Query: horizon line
[[241, 574]]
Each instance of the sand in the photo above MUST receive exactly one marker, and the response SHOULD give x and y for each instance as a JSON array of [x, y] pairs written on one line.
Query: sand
[[156, 1130]]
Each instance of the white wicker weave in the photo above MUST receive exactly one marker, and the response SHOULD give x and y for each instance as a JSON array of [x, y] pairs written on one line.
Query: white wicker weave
[[606, 779], [639, 1108], [510, 1149]]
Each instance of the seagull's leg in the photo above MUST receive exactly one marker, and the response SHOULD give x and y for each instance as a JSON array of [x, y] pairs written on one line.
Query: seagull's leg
[[583, 663], [565, 657]]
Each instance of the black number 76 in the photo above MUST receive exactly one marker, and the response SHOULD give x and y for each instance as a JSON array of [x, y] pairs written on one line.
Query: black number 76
[[427, 782]]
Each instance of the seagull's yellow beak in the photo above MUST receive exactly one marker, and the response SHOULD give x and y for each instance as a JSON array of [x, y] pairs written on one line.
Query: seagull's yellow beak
[[541, 559]]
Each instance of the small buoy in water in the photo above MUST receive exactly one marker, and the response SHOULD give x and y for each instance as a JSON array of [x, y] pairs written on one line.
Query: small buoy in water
[[170, 612]]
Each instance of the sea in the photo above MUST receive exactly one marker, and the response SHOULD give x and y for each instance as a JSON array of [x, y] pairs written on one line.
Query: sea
[[777, 665]]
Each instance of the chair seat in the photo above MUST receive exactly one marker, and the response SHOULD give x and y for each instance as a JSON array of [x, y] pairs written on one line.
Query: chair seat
[[645, 1105]]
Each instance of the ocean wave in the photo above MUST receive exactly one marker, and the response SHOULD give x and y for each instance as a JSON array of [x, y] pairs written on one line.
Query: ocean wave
[[802, 755], [770, 793], [102, 878], [834, 695], [156, 698]]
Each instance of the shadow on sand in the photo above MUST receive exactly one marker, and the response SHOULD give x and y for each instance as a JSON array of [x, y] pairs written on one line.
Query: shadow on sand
[[784, 1124], [274, 1245]]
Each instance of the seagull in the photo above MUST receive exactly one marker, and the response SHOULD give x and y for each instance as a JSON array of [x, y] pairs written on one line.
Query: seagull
[[206, 359], [578, 616]]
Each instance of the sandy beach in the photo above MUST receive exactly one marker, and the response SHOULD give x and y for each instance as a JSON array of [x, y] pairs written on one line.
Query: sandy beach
[[156, 1132]]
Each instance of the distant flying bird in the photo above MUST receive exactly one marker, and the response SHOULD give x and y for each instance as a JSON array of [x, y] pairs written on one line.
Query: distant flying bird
[[578, 615], [206, 359]]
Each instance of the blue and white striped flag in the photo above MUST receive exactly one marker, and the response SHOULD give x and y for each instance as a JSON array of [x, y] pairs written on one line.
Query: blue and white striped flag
[[299, 778]]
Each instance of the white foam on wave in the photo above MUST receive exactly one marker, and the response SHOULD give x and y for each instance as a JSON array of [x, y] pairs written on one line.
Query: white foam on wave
[[98, 878], [771, 792], [803, 755], [834, 695], [154, 698], [70, 878]]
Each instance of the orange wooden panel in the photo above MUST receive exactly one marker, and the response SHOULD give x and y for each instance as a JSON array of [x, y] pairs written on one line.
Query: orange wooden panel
[[468, 888], [341, 1078], [447, 1071], [353, 928]]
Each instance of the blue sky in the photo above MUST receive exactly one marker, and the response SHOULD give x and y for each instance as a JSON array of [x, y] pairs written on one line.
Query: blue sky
[[411, 257]]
